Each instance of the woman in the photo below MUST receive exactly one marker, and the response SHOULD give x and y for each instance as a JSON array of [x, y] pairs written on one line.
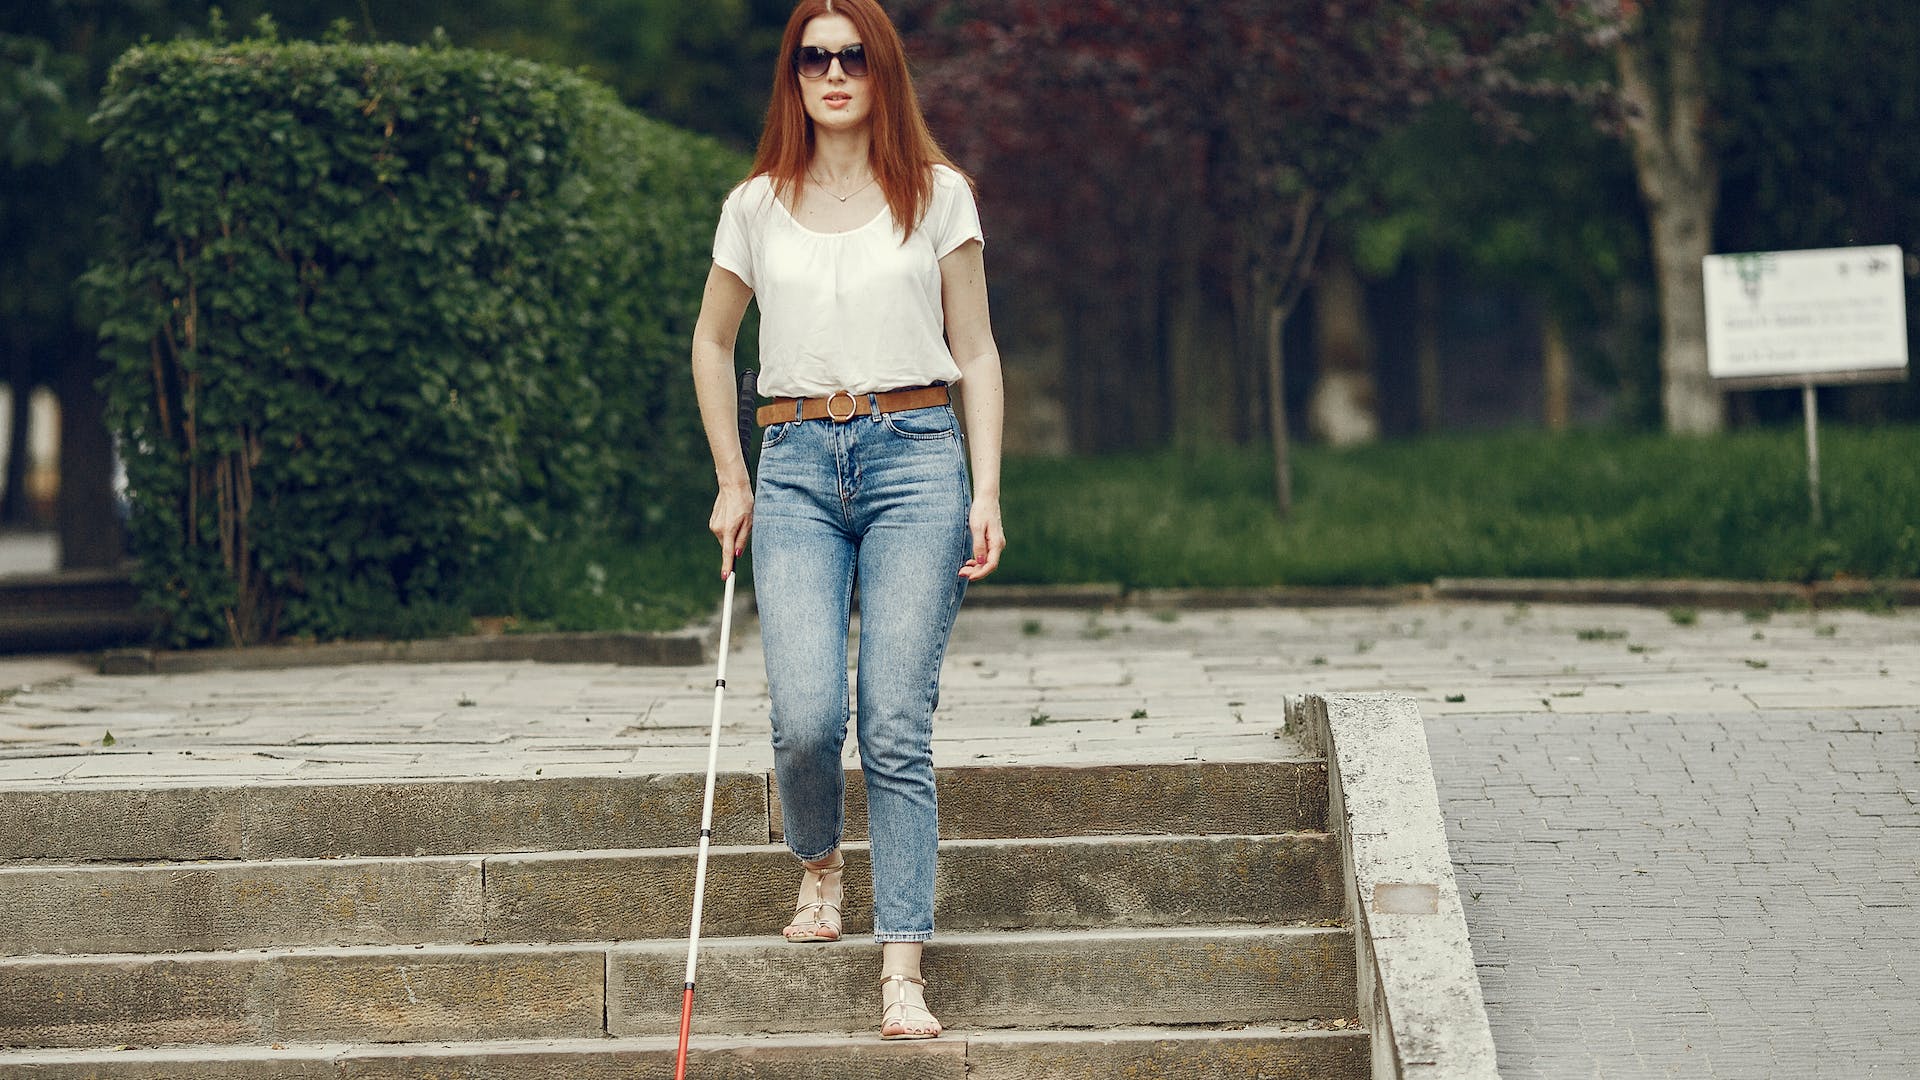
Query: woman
[[862, 244]]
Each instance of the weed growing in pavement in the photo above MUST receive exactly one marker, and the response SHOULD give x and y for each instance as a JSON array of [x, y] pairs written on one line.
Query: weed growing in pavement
[[1683, 616], [1600, 634]]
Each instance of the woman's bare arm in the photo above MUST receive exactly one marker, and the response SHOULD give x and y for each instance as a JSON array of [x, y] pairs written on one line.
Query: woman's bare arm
[[963, 295], [721, 308]]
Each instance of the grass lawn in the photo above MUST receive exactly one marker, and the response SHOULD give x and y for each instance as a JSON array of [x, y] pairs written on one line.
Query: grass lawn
[[1515, 504], [1512, 504]]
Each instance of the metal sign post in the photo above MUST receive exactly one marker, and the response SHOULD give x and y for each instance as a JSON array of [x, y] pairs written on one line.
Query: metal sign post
[[1829, 317], [1810, 404]]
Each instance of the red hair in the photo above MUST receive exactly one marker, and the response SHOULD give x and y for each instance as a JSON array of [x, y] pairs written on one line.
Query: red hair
[[902, 152]]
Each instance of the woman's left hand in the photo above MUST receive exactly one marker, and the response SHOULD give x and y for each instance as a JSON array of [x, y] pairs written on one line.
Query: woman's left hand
[[989, 540]]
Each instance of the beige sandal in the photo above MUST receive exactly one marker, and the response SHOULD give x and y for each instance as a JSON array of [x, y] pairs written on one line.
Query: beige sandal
[[819, 927], [897, 1020]]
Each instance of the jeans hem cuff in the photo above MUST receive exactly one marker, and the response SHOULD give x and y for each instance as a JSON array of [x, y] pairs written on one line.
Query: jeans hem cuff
[[916, 935], [814, 858]]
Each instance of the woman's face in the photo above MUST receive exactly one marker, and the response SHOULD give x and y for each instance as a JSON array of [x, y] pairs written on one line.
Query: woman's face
[[835, 101]]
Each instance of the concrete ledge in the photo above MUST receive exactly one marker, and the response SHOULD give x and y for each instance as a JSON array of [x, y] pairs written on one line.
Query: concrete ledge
[[72, 631], [1115, 597], [1720, 595], [1418, 990], [109, 589], [676, 649]]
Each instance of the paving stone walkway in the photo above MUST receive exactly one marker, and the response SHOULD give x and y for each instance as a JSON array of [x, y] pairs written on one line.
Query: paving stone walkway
[[1689, 845], [1703, 895]]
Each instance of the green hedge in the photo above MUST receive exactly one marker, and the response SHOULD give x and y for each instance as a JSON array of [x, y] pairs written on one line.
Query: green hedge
[[378, 314]]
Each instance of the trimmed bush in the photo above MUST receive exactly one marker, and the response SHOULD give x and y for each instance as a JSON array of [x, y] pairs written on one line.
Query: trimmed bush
[[376, 314]]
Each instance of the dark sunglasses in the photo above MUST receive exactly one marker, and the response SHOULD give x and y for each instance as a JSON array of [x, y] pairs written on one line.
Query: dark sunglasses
[[812, 61]]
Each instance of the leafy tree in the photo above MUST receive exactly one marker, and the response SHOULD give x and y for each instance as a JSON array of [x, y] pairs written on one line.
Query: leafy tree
[[1141, 145], [1554, 213]]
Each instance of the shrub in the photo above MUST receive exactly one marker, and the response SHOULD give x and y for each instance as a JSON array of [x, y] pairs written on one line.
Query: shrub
[[377, 313]]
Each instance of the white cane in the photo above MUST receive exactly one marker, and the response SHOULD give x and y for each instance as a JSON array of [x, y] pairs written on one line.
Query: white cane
[[706, 832], [745, 401]]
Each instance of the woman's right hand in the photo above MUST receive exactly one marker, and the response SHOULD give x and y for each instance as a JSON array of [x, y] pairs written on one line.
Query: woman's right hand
[[731, 523]]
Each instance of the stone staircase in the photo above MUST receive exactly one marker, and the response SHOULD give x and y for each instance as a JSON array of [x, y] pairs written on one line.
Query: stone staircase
[[70, 610], [1180, 920]]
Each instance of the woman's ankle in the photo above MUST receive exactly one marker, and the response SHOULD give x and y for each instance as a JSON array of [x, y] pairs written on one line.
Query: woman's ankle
[[900, 958]]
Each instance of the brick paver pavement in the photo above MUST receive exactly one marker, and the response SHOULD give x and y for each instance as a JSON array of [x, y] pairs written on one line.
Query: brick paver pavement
[[1688, 847], [1703, 895]]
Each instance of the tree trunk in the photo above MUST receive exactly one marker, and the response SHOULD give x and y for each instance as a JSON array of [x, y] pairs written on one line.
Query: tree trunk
[[1426, 322], [1277, 409], [15, 507], [1556, 373], [1345, 409], [1266, 292], [1679, 182], [89, 519], [1690, 401]]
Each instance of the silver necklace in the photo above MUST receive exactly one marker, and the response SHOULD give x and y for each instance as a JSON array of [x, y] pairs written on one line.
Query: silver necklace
[[822, 184]]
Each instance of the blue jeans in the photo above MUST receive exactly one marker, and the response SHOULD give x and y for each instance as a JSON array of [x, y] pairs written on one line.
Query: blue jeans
[[880, 500]]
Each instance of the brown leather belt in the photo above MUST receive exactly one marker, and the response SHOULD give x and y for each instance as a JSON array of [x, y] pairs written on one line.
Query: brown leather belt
[[842, 406]]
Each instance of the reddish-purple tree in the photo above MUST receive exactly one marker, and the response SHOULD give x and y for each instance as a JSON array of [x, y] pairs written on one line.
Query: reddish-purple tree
[[1143, 160]]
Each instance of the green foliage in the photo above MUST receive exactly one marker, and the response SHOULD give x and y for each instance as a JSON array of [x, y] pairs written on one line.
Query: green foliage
[[37, 116], [377, 315], [1506, 505], [1556, 213], [595, 580]]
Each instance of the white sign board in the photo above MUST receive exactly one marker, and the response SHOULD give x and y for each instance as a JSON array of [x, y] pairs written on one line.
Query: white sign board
[[1801, 315]]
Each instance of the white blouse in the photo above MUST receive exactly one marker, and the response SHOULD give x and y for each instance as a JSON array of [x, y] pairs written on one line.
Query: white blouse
[[857, 310]]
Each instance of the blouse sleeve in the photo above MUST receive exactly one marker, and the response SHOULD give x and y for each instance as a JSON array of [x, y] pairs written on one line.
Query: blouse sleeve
[[956, 218], [732, 243]]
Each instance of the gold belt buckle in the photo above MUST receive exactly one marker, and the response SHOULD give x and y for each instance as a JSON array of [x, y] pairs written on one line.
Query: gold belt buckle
[[852, 406]]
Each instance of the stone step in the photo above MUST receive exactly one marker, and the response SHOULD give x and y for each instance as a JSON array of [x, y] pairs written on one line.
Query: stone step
[[1272, 1052], [607, 895], [1207, 975], [70, 823], [1203, 975], [983, 884]]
